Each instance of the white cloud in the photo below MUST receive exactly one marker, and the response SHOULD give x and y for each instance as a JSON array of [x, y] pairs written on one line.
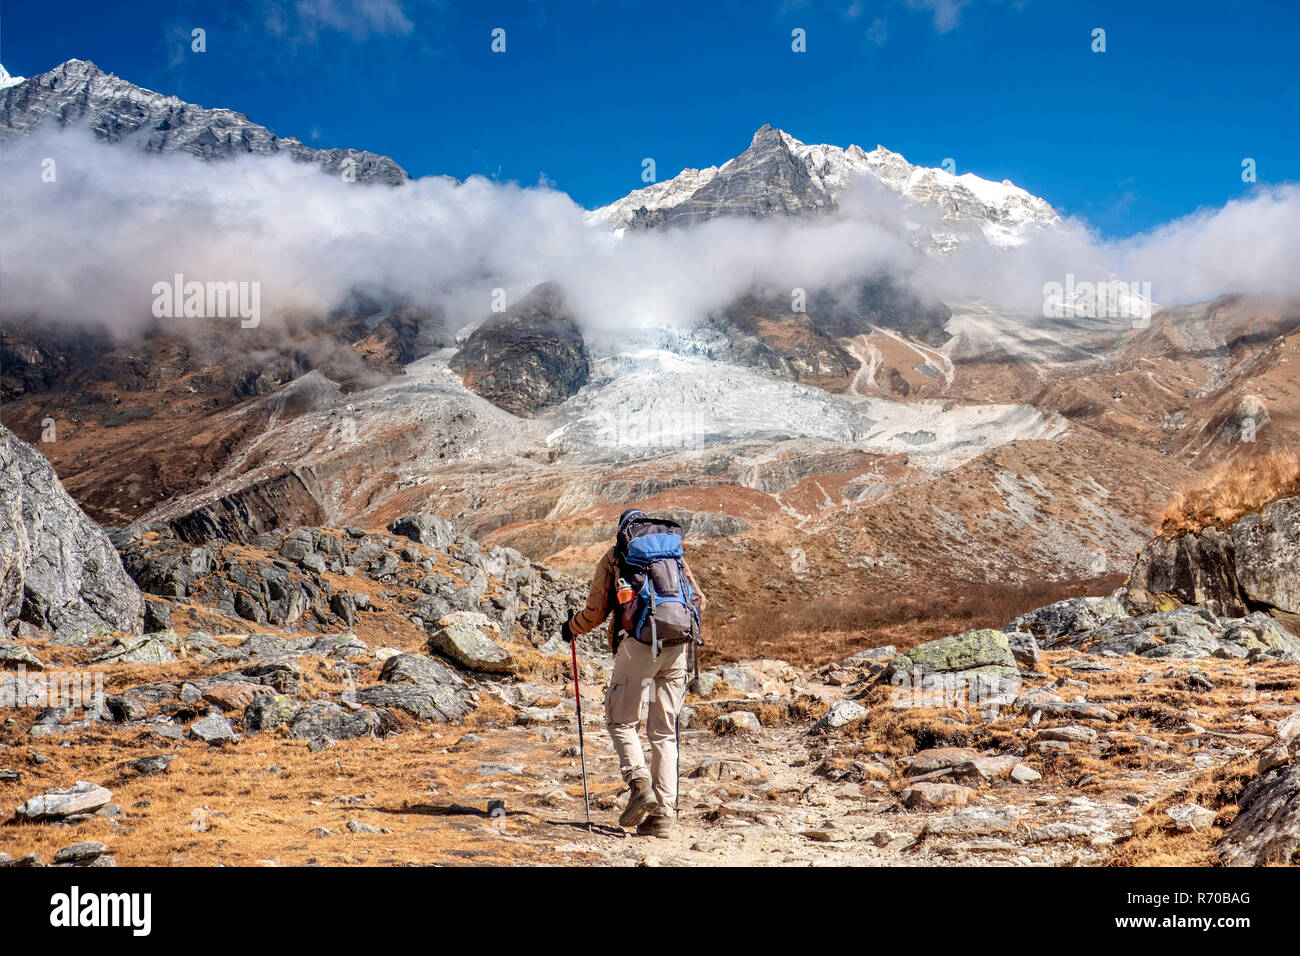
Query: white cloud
[[90, 246]]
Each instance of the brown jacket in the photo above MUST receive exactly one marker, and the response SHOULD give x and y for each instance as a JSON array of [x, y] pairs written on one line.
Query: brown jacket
[[603, 597]]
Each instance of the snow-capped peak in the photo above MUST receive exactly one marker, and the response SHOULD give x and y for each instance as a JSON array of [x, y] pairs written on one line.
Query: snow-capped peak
[[7, 80], [1001, 211]]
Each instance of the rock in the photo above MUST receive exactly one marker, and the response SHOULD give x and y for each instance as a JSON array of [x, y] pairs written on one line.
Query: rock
[[321, 719], [355, 826], [1049, 625], [214, 731], [738, 722], [940, 758], [158, 763], [1187, 569], [844, 712], [528, 357], [1057, 831], [1266, 555], [1255, 563], [429, 529], [1275, 756], [1190, 816], [1024, 648], [268, 710], [932, 796], [426, 701], [739, 678], [977, 820], [343, 606], [83, 797], [419, 669], [1022, 774], [468, 646], [15, 654], [962, 762], [232, 695], [58, 569], [534, 716], [1288, 728], [972, 667], [724, 769], [1074, 734], [80, 852], [500, 769], [1266, 829]]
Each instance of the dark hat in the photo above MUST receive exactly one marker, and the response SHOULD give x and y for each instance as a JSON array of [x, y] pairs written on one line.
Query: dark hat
[[628, 515]]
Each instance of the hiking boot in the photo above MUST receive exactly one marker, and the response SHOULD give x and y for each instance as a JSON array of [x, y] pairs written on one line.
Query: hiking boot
[[640, 803], [659, 825]]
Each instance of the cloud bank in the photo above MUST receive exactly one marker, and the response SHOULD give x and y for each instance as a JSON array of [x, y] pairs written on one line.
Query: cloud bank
[[89, 246]]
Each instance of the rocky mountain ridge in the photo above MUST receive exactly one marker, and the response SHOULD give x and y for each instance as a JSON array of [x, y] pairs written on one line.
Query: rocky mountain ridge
[[778, 174], [115, 110]]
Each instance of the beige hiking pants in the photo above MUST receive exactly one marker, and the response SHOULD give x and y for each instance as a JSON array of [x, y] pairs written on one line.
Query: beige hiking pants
[[665, 679]]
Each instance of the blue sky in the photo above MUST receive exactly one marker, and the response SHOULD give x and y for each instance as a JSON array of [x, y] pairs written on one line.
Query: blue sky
[[1152, 129]]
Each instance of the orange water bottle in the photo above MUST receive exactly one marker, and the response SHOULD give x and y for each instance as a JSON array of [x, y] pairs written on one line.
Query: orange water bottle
[[625, 592]]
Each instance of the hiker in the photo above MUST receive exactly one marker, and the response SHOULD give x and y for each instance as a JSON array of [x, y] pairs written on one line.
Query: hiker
[[643, 580]]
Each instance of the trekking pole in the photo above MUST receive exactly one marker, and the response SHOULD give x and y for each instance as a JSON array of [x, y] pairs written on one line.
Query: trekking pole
[[677, 788], [582, 751]]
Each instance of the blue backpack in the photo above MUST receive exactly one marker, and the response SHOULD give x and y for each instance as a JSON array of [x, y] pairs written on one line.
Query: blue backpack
[[664, 609]]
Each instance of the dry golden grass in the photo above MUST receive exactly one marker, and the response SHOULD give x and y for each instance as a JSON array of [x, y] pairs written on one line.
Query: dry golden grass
[[229, 806], [829, 629], [1234, 490]]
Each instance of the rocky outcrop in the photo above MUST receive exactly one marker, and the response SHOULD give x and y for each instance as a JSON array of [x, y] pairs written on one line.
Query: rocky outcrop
[[976, 665], [1254, 565], [762, 332], [79, 92], [58, 569], [528, 357], [288, 579], [1103, 626], [1267, 556], [1190, 569], [287, 499], [1266, 829], [766, 179]]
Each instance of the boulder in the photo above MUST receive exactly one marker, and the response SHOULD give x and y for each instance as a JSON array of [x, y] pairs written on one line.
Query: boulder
[[932, 796], [1254, 564], [725, 769], [80, 853], [58, 569], [427, 701], [972, 667], [1190, 568], [82, 797], [1266, 829], [1190, 816], [432, 530], [1266, 555], [840, 714], [466, 644], [214, 731], [324, 718], [418, 669], [1049, 625], [738, 722], [267, 711]]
